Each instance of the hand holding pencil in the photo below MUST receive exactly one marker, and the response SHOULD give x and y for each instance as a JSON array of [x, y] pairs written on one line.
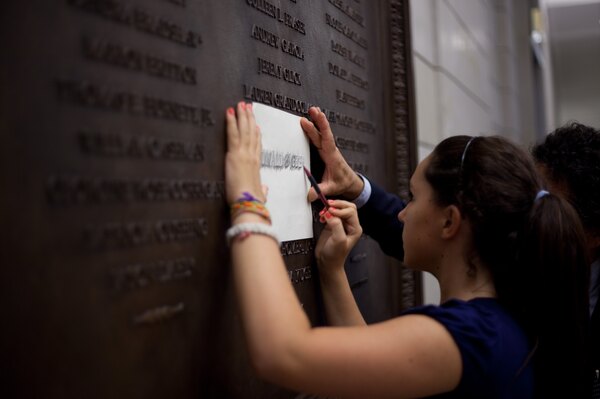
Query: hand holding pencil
[[315, 186], [341, 233]]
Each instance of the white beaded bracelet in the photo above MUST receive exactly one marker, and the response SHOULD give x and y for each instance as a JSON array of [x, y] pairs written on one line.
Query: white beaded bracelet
[[250, 228]]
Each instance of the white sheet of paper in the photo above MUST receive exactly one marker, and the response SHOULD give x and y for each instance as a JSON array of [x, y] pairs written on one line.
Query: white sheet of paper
[[285, 151]]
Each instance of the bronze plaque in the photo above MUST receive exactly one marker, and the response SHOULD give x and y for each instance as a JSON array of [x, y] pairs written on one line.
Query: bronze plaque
[[115, 274]]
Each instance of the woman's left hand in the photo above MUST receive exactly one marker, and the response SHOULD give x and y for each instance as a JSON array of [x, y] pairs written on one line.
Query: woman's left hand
[[243, 158]]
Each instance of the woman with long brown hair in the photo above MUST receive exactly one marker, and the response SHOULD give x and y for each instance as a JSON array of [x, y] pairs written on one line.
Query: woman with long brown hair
[[508, 255]]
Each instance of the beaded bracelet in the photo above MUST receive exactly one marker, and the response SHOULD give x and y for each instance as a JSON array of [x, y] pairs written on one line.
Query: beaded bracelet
[[243, 230]]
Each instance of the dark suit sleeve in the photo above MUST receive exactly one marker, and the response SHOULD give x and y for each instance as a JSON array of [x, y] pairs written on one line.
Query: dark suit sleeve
[[379, 220]]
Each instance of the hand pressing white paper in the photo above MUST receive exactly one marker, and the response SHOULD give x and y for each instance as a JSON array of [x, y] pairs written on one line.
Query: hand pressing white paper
[[285, 150]]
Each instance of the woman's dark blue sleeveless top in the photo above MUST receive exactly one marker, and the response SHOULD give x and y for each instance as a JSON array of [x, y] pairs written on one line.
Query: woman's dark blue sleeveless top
[[493, 347]]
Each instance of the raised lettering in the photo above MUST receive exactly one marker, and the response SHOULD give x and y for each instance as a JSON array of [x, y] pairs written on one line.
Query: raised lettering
[[137, 18], [276, 13], [349, 99], [135, 60], [348, 54], [121, 235], [349, 121], [94, 96], [264, 36], [349, 11], [278, 71], [299, 247], [78, 190], [276, 100], [292, 49], [116, 145], [343, 74], [300, 275], [139, 275], [345, 30], [352, 145]]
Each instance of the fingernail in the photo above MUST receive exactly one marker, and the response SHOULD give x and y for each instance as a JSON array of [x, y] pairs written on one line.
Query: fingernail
[[322, 219], [249, 106], [328, 215], [230, 111], [322, 212], [242, 105], [330, 202]]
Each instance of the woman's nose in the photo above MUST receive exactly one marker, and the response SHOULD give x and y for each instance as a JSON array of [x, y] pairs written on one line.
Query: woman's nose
[[401, 215]]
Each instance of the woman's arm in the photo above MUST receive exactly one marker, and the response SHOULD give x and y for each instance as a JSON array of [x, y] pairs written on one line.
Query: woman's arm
[[410, 356], [341, 233], [270, 309], [407, 357]]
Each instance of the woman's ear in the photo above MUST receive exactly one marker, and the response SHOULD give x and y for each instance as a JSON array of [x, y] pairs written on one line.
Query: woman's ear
[[452, 222]]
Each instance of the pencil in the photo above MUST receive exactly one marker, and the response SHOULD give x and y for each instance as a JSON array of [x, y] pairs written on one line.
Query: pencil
[[313, 183]]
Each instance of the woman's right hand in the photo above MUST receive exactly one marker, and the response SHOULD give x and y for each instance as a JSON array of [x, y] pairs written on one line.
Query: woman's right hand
[[338, 177], [342, 231]]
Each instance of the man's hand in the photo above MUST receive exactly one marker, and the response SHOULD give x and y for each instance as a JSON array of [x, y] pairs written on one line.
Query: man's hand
[[338, 178]]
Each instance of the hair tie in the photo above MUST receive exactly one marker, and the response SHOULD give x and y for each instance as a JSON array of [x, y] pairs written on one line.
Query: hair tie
[[540, 194]]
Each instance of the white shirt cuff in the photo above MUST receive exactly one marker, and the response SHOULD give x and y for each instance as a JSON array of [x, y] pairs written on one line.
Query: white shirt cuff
[[364, 196]]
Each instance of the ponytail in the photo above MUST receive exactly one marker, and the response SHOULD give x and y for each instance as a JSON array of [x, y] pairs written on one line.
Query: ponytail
[[533, 244], [552, 255]]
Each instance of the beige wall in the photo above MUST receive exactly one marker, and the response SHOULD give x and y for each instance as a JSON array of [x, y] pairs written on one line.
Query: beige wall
[[474, 73]]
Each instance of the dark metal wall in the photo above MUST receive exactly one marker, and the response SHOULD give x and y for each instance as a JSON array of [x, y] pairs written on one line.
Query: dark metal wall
[[115, 276]]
